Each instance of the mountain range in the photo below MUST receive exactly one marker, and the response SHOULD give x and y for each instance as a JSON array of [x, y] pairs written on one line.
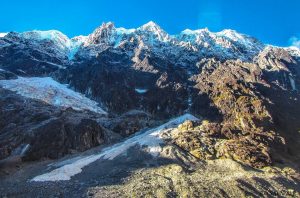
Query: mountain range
[[230, 104]]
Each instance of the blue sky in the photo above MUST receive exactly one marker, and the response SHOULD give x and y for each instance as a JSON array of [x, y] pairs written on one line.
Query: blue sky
[[272, 21]]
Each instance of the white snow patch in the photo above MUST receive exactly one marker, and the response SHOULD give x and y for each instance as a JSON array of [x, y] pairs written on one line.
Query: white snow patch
[[25, 149], [3, 34], [151, 139], [292, 81], [194, 32], [231, 34], [48, 90], [43, 35], [187, 31], [150, 26], [122, 30], [294, 51], [141, 91], [75, 44]]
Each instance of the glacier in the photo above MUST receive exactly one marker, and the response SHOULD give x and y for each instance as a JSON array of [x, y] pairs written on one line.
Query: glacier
[[51, 92]]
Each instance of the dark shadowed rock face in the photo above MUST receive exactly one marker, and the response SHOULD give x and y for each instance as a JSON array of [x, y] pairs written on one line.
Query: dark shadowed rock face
[[131, 122], [26, 55], [115, 83], [49, 132], [6, 75]]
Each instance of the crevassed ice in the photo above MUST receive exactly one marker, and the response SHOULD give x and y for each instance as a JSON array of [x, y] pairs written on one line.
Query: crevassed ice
[[48, 90]]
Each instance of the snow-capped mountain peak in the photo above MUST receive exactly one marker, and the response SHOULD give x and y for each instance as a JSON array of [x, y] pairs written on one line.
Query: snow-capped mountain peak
[[67, 45], [151, 32], [102, 34], [194, 32], [122, 30], [194, 36], [150, 26], [186, 46], [108, 35], [53, 35], [204, 35], [80, 38], [231, 34], [294, 51]]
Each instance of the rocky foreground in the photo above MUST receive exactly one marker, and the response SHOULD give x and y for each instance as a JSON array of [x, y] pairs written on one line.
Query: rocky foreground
[[159, 162]]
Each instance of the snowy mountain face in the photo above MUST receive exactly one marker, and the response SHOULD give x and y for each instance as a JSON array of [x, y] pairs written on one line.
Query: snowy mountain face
[[183, 49], [52, 43], [227, 44], [68, 46], [51, 92]]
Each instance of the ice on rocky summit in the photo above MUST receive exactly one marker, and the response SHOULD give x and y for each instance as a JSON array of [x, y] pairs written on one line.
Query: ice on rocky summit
[[74, 45], [156, 30], [150, 26], [227, 43], [71, 46], [49, 91], [150, 139], [293, 50], [122, 30], [231, 34], [199, 31], [46, 35]]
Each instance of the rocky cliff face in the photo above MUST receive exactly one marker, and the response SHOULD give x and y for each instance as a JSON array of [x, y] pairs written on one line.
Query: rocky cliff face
[[32, 130]]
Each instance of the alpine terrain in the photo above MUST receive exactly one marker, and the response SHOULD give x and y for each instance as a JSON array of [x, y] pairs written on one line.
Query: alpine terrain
[[142, 113]]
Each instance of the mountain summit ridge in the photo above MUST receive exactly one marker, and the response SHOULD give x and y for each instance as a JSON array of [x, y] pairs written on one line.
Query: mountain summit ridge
[[188, 45]]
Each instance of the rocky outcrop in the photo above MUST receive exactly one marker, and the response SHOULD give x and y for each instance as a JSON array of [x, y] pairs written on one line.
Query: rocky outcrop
[[254, 128], [206, 141], [34, 130], [131, 122]]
